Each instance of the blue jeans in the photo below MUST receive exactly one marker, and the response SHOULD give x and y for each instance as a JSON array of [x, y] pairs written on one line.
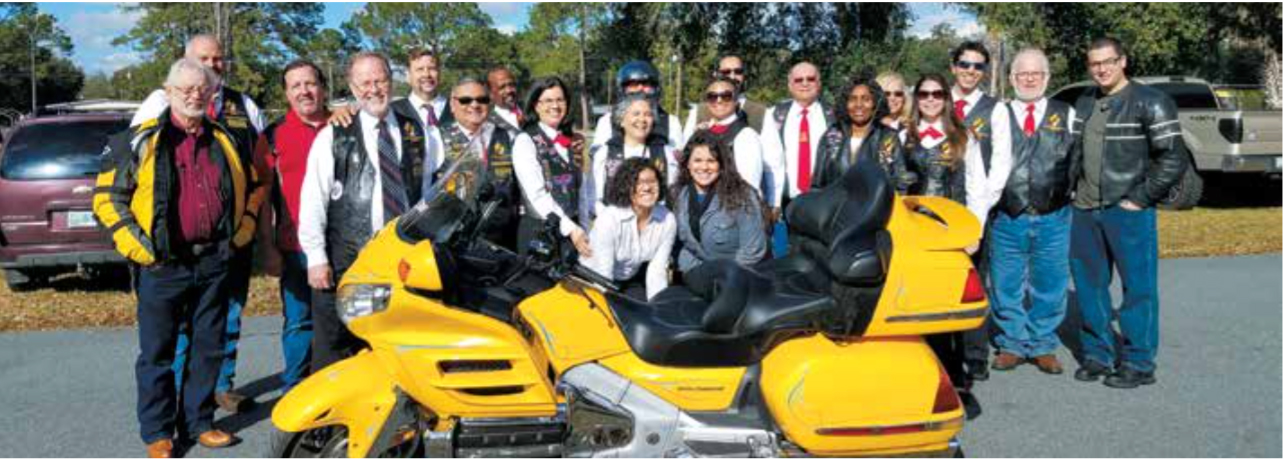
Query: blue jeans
[[296, 331], [188, 296], [780, 239], [1029, 258], [1102, 240], [238, 285]]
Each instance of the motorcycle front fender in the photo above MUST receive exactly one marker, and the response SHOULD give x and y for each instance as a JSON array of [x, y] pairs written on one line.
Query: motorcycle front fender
[[357, 393]]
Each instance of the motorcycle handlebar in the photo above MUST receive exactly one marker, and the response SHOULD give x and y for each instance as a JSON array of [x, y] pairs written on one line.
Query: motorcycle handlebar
[[589, 276]]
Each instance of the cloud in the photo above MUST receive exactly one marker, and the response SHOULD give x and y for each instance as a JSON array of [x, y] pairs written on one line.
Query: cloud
[[964, 25], [506, 12], [91, 34], [507, 29], [110, 63]]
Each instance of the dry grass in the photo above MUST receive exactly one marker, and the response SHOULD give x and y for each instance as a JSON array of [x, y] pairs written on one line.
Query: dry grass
[[72, 302]]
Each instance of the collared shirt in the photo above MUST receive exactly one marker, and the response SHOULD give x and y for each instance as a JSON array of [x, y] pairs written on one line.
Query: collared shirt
[[289, 161], [530, 177], [1040, 109], [200, 203], [787, 148], [602, 132], [599, 177], [157, 102], [980, 197], [438, 106], [747, 151], [319, 186], [507, 115], [619, 249]]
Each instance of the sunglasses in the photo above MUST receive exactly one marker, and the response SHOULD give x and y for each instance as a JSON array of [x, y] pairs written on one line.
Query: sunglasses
[[978, 66], [483, 100], [900, 94], [938, 94], [714, 97], [810, 79], [732, 71]]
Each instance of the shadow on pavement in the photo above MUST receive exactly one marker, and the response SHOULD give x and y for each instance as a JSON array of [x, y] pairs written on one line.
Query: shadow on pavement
[[253, 411]]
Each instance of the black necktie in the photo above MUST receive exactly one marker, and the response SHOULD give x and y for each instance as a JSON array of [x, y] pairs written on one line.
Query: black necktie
[[394, 190]]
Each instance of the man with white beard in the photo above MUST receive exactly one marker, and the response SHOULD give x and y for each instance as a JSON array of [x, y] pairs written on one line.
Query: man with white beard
[[359, 177], [1030, 237]]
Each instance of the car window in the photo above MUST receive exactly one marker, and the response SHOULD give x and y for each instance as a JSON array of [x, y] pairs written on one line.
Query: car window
[[1189, 95], [61, 150], [1070, 95]]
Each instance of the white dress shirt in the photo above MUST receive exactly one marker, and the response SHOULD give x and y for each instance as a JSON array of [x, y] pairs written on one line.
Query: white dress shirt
[[602, 132], [980, 198], [507, 115], [530, 176], [690, 128], [438, 107], [598, 177], [619, 250], [787, 149], [747, 151], [157, 102], [1040, 109], [319, 187]]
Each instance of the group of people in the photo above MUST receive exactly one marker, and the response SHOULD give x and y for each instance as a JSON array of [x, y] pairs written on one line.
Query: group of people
[[1063, 193]]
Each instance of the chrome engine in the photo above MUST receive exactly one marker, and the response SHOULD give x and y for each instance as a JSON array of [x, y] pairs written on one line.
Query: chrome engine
[[609, 416]]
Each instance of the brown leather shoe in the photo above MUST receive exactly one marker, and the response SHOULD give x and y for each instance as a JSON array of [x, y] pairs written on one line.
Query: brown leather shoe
[[1049, 364], [1007, 361], [215, 438], [161, 448], [229, 401]]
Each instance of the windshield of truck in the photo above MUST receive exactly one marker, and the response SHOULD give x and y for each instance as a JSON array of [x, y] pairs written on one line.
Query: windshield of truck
[[1189, 96]]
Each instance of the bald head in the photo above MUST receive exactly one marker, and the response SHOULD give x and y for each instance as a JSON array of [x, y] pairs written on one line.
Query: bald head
[[207, 50], [804, 83]]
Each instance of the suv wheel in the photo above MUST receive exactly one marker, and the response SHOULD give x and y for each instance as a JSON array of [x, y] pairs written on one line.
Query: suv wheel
[[19, 280]]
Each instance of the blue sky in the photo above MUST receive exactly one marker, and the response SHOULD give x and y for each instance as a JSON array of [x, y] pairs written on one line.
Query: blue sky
[[92, 26]]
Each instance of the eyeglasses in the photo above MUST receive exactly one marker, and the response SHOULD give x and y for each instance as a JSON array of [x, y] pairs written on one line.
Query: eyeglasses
[[1030, 75], [807, 79], [191, 90], [1104, 63], [483, 100], [900, 94], [978, 66], [732, 71], [715, 97], [938, 94]]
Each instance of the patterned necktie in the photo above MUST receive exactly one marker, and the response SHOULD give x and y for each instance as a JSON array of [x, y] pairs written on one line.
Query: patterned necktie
[[431, 115], [959, 105], [804, 153], [394, 189], [1029, 120]]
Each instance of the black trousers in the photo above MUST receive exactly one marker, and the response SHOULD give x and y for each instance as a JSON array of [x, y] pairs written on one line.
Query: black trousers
[[949, 348], [331, 339], [976, 342]]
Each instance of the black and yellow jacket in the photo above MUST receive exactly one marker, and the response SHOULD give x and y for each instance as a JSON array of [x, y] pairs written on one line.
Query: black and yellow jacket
[[136, 188]]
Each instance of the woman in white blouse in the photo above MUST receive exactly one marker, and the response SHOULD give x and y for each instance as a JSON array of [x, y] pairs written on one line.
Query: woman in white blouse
[[632, 238]]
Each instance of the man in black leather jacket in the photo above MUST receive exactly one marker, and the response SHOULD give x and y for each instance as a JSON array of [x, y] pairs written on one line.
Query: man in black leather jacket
[[1132, 155]]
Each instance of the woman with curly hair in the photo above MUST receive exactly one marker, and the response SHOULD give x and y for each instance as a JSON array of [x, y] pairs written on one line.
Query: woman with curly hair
[[857, 135], [719, 215], [632, 238]]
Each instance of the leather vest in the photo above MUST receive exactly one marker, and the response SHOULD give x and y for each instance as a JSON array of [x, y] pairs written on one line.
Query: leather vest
[[562, 178], [234, 116], [1040, 181], [354, 191], [655, 147], [728, 138], [881, 145], [501, 227], [978, 121], [935, 176]]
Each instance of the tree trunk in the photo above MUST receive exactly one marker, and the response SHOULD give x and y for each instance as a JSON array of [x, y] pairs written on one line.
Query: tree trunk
[[584, 103]]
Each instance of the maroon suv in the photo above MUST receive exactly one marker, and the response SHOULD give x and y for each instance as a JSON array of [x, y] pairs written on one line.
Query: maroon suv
[[47, 171]]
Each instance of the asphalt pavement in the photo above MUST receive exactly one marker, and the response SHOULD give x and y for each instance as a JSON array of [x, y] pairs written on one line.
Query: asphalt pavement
[[72, 394]]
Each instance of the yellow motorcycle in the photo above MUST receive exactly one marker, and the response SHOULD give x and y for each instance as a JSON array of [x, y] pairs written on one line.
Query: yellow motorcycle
[[477, 352]]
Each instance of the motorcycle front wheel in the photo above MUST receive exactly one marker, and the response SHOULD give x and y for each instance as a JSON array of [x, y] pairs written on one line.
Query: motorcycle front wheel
[[322, 442]]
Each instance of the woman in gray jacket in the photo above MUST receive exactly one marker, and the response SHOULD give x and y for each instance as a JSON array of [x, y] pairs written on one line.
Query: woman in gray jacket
[[719, 215]]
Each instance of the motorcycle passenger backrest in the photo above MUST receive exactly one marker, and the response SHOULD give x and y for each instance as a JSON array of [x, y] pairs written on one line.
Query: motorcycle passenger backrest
[[840, 225]]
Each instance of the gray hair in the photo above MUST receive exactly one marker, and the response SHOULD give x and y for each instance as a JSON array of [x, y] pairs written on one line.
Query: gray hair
[[190, 65], [466, 80], [1034, 53], [622, 107], [187, 48], [361, 56]]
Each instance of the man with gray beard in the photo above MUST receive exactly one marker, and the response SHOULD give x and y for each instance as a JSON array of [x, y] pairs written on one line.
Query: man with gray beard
[[359, 177]]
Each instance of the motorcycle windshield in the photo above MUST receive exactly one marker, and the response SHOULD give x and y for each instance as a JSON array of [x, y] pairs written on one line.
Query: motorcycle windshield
[[454, 193]]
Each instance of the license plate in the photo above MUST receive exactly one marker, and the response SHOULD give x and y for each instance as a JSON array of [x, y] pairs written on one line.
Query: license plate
[[81, 219]]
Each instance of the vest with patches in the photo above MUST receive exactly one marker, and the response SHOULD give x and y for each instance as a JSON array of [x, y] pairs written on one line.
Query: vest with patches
[[781, 114], [655, 147], [935, 176], [1040, 181], [499, 152], [978, 121], [234, 116], [562, 178], [728, 138], [354, 191]]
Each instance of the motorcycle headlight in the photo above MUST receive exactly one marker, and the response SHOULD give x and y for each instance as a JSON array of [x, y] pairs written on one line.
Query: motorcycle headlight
[[359, 300]]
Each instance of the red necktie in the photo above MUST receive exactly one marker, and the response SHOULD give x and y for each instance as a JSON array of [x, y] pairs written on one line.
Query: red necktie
[[804, 153], [932, 133], [718, 129], [1029, 120], [959, 105], [563, 140]]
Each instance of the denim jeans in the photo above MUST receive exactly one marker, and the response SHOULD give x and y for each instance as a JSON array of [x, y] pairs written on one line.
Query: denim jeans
[[296, 331], [190, 296], [1102, 240], [238, 285], [780, 239], [1029, 260]]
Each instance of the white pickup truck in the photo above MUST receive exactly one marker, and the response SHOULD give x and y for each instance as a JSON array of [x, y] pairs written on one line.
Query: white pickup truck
[[1221, 136]]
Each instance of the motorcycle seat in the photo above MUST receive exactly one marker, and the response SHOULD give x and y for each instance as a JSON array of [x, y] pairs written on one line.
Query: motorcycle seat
[[844, 225]]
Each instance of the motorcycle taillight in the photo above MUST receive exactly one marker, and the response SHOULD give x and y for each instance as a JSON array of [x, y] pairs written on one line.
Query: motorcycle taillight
[[947, 399], [973, 290]]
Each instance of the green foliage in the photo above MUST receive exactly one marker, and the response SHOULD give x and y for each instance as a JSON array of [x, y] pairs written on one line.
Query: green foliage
[[57, 79], [396, 28]]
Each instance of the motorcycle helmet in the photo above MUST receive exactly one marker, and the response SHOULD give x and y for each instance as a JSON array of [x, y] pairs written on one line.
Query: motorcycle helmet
[[638, 71]]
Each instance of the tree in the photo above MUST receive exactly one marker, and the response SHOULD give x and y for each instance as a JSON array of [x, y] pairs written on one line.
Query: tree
[[555, 43], [395, 28], [26, 35]]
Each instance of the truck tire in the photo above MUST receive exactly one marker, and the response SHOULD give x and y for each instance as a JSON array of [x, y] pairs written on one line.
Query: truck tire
[[1186, 193]]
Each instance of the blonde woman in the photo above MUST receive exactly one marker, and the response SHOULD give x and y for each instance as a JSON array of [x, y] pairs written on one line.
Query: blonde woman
[[898, 99]]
